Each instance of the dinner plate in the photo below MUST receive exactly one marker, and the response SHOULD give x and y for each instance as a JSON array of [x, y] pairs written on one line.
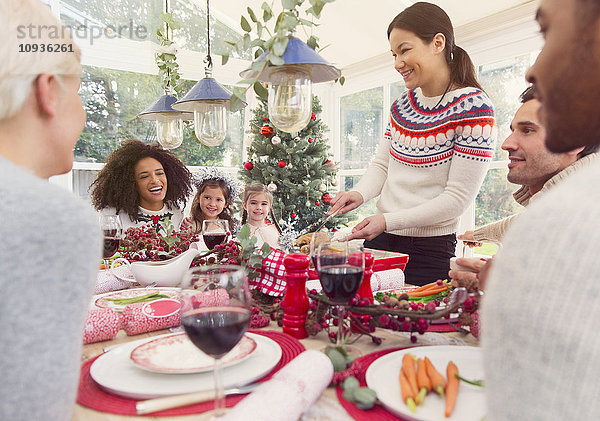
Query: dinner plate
[[101, 300], [116, 373], [382, 376], [176, 354]]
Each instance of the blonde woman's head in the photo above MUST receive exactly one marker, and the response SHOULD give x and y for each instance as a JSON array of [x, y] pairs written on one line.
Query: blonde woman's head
[[29, 25]]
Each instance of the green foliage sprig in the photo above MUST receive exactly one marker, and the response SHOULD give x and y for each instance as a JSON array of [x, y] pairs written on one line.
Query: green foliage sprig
[[275, 42], [251, 257], [168, 68]]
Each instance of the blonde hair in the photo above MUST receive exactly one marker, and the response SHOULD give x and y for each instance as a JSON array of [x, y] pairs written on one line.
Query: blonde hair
[[18, 70], [252, 190]]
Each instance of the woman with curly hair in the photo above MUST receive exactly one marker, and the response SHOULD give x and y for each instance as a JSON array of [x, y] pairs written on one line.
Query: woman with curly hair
[[142, 183]]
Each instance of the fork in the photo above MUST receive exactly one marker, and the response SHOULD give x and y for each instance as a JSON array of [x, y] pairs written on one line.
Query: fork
[[168, 402]]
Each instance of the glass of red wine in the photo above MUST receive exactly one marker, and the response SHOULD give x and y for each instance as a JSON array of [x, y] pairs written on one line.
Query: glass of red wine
[[341, 266], [215, 314], [113, 232], [214, 232]]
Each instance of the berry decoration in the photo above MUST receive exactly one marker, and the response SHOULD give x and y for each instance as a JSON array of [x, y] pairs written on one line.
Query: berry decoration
[[281, 164], [317, 202], [293, 215], [310, 140], [275, 140], [248, 165], [313, 116]]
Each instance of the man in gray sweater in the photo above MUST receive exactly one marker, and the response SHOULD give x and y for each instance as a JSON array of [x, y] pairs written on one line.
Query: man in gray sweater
[[51, 241], [541, 312]]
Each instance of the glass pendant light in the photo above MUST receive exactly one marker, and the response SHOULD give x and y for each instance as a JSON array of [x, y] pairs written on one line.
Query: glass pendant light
[[208, 100], [290, 84], [169, 122]]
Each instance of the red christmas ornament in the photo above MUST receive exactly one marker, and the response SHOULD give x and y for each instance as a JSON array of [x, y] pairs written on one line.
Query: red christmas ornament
[[310, 140], [326, 198], [317, 203], [293, 215], [248, 165], [266, 131], [281, 164], [313, 116]]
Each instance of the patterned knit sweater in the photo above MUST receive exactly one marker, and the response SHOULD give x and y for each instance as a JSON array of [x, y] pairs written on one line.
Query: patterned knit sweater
[[431, 161]]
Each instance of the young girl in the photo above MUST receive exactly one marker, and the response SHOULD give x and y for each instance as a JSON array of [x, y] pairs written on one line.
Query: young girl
[[258, 205], [215, 194], [435, 152], [142, 183]]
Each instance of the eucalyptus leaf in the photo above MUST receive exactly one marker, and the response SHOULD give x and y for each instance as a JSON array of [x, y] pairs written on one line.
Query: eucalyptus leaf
[[245, 25], [280, 46], [244, 232], [252, 15], [261, 91], [312, 42], [266, 248], [267, 12], [276, 61], [246, 41], [289, 21], [288, 4]]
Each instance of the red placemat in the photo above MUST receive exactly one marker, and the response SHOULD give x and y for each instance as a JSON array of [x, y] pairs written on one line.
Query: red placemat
[[92, 396], [378, 412]]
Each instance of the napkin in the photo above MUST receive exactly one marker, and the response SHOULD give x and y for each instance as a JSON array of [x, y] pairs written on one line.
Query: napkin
[[106, 282], [290, 392], [101, 325], [387, 279], [154, 315]]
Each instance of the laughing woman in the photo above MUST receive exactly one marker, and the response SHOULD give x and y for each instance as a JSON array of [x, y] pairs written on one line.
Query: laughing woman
[[435, 151], [143, 184]]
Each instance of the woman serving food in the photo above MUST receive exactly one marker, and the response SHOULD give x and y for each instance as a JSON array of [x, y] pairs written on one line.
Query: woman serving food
[[435, 151]]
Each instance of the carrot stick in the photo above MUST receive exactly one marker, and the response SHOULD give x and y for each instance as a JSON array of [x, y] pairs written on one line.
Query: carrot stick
[[424, 287], [438, 383], [422, 381], [408, 367], [427, 292], [451, 388], [408, 395]]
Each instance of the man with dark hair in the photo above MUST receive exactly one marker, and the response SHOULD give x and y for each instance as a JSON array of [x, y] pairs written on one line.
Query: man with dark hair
[[541, 317], [531, 165]]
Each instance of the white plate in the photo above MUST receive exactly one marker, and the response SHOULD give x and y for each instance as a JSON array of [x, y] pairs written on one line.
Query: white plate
[[382, 376], [100, 301], [176, 354], [115, 372]]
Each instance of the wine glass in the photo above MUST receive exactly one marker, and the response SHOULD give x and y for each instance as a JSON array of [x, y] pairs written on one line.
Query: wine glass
[[113, 231], [214, 232], [215, 313], [318, 237], [341, 266]]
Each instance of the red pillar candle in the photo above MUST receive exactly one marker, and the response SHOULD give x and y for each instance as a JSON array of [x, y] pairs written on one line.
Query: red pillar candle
[[365, 287], [295, 302]]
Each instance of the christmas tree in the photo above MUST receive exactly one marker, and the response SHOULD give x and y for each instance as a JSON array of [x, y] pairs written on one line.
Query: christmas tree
[[296, 168]]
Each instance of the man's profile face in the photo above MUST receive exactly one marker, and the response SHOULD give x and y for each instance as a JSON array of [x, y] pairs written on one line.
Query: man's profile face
[[567, 74]]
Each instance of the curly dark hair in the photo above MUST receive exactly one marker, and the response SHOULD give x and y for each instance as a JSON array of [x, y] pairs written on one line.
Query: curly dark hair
[[115, 185], [226, 213]]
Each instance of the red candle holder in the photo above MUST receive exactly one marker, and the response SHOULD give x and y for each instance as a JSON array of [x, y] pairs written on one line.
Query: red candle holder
[[295, 301], [365, 290]]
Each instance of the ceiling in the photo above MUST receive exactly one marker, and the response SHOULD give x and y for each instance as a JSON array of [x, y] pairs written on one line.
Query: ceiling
[[355, 30]]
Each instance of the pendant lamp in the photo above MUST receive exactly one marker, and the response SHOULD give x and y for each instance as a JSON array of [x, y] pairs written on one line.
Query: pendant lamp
[[290, 84], [169, 122], [208, 101]]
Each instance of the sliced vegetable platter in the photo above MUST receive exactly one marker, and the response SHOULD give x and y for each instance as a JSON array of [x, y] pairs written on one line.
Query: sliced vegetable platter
[[383, 377]]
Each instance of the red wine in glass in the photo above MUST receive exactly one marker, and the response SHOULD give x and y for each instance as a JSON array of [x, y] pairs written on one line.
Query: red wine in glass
[[341, 282], [211, 240], [111, 244], [216, 330]]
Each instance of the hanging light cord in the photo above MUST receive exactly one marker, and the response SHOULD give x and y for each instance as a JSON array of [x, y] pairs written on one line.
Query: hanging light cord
[[168, 87], [208, 59]]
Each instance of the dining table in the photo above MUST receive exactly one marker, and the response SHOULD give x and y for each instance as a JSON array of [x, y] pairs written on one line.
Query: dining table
[[327, 407]]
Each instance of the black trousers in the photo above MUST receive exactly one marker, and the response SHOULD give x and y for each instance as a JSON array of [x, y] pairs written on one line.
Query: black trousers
[[429, 257]]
